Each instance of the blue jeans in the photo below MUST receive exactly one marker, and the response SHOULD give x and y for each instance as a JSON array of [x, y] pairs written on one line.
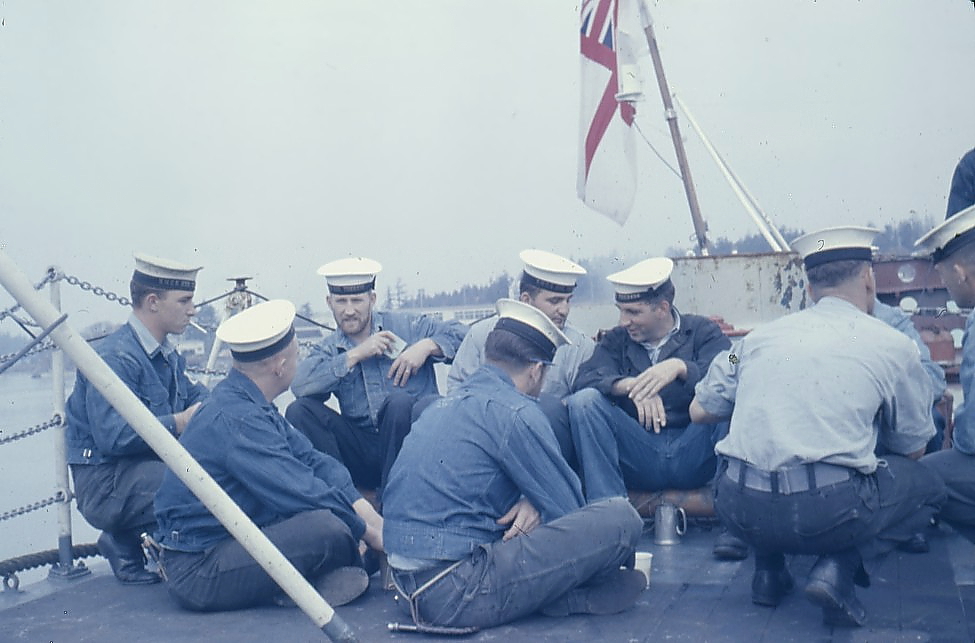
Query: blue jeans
[[616, 453], [867, 513], [226, 576], [503, 581]]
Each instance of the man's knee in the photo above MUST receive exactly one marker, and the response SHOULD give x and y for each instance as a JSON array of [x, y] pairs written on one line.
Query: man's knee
[[586, 398], [619, 511]]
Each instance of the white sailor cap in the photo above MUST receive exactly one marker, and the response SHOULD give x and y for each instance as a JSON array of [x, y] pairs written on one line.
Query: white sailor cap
[[948, 237], [350, 276], [642, 280], [530, 324], [549, 271], [259, 331], [164, 274], [842, 243]]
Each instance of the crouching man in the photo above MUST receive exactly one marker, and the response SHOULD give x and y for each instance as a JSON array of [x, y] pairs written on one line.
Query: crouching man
[[302, 499], [484, 520]]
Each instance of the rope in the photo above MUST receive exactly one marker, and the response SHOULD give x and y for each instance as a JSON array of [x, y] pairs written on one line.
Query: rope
[[10, 567]]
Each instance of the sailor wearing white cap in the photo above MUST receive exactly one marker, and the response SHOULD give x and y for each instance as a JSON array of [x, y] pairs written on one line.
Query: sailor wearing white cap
[[115, 472], [548, 282], [811, 396], [629, 418], [502, 529], [303, 500], [377, 364], [952, 246]]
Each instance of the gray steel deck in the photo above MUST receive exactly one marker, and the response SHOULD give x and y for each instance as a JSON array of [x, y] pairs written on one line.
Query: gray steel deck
[[692, 597]]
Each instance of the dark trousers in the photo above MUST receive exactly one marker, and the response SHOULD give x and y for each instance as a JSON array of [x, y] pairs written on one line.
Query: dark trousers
[[866, 515], [226, 577], [117, 497], [958, 472], [368, 455], [503, 581], [558, 417]]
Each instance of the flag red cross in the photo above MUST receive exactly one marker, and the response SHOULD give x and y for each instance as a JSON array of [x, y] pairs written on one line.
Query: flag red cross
[[598, 40]]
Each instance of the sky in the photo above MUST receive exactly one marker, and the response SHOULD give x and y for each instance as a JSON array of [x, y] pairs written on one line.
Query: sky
[[440, 137]]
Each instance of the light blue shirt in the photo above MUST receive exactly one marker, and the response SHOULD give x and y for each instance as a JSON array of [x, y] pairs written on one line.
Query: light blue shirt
[[964, 435], [821, 385], [559, 376], [362, 389]]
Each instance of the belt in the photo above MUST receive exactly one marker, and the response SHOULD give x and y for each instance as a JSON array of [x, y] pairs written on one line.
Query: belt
[[787, 481]]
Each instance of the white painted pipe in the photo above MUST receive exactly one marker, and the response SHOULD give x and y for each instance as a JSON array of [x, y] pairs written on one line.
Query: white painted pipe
[[174, 455]]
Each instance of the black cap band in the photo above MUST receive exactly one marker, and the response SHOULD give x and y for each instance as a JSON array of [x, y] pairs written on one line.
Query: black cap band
[[645, 295], [532, 280], [352, 290], [837, 254], [529, 333], [954, 245], [163, 283], [267, 351]]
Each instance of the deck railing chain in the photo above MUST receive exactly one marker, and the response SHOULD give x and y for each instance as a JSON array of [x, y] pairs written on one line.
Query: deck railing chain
[[57, 420], [49, 276], [40, 504], [95, 290]]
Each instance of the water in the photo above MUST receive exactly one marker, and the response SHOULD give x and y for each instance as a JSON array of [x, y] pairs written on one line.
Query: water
[[27, 472]]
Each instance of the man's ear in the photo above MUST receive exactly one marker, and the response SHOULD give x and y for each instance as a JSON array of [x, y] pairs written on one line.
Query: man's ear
[[152, 301], [961, 272], [525, 298]]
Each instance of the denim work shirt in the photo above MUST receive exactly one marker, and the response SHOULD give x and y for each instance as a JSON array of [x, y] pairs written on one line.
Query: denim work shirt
[[468, 459], [964, 435], [96, 433], [362, 389], [558, 378], [617, 356], [825, 384], [901, 321], [263, 463]]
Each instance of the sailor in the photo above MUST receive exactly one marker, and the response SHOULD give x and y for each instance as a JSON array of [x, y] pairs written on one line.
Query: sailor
[[485, 521], [303, 500], [547, 283], [961, 194], [115, 472], [810, 396], [377, 364], [952, 248], [629, 418]]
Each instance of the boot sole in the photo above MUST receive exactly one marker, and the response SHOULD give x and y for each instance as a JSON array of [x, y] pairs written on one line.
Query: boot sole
[[836, 611]]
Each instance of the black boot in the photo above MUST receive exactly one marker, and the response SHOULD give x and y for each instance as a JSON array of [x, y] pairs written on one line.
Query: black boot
[[127, 560], [831, 587], [772, 580]]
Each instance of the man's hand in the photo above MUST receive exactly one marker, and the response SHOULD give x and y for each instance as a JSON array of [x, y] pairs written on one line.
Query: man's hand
[[651, 381], [522, 516], [182, 418], [373, 535], [374, 345], [650, 413], [410, 361]]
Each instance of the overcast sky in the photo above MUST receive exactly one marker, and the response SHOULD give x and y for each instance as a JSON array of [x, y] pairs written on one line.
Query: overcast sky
[[439, 136]]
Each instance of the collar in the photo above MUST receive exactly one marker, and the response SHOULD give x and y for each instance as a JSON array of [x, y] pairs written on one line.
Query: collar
[[148, 342], [247, 386], [673, 331]]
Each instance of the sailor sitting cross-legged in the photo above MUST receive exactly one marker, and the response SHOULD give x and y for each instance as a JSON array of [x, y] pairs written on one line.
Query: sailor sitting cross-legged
[[484, 520], [303, 500], [547, 283]]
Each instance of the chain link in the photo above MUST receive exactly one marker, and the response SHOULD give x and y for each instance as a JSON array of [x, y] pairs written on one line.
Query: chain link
[[57, 420], [97, 290], [26, 509], [46, 345], [49, 277]]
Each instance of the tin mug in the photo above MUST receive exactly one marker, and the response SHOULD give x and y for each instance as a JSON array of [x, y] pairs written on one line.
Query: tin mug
[[669, 524]]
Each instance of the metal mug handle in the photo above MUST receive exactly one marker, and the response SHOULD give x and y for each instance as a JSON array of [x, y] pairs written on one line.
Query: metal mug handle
[[681, 526]]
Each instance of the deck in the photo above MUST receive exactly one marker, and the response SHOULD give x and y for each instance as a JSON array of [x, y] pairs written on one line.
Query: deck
[[692, 597]]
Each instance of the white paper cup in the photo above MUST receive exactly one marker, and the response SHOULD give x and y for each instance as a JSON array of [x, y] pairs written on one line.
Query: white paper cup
[[643, 561]]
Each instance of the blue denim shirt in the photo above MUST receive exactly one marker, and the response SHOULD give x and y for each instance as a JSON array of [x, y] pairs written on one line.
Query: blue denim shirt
[[901, 321], [964, 436], [263, 463], [96, 433], [468, 459], [362, 389]]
